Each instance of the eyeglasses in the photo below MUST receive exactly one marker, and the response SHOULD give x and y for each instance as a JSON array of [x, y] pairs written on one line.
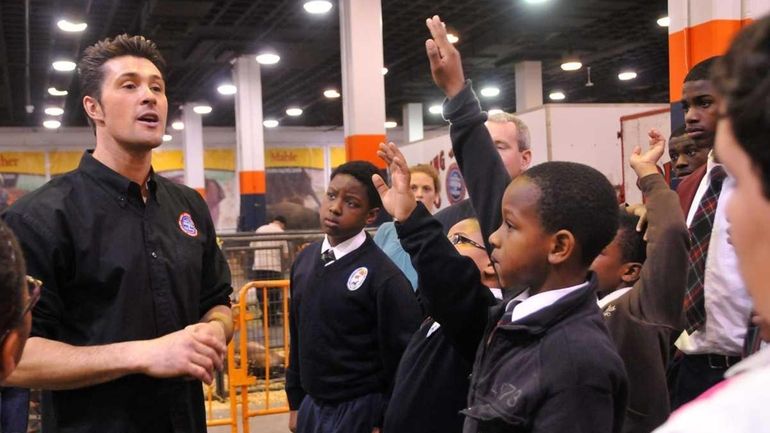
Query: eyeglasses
[[34, 287], [459, 239]]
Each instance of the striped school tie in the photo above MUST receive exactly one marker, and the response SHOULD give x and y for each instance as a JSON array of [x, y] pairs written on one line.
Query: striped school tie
[[328, 256]]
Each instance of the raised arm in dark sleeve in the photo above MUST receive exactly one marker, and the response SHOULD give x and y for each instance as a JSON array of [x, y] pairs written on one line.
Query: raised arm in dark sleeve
[[659, 292], [483, 171], [450, 283]]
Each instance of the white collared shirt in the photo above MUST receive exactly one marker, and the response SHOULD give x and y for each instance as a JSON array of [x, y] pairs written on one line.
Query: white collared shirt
[[728, 305], [532, 304], [343, 248], [612, 296]]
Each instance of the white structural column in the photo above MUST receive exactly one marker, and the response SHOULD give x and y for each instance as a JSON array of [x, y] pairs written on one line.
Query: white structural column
[[194, 176], [250, 139], [413, 129], [363, 85], [529, 85]]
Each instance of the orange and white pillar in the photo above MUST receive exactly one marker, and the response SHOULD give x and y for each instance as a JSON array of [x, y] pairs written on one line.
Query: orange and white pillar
[[192, 146], [250, 143], [700, 29], [363, 84]]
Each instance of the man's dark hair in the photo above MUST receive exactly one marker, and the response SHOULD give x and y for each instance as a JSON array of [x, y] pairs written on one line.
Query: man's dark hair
[[12, 279], [741, 77], [701, 71], [281, 219], [90, 71], [577, 198], [362, 171], [633, 248]]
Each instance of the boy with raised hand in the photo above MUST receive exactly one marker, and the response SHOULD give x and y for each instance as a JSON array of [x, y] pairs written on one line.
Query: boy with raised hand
[[352, 314], [641, 289], [545, 362]]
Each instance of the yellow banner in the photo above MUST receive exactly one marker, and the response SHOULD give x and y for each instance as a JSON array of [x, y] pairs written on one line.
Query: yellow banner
[[304, 157], [219, 159], [64, 161], [22, 162], [167, 160], [338, 156]]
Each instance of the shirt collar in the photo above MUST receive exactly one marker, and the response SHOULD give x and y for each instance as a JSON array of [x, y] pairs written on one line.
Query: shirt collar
[[531, 304], [612, 296], [344, 248], [117, 184]]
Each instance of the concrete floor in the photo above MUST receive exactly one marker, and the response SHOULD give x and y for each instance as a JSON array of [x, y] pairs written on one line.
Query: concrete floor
[[261, 424]]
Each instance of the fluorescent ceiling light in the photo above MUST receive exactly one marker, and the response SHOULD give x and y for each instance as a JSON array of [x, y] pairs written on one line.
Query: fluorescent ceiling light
[[167, 137], [664, 21], [51, 124], [390, 124], [494, 111], [535, 1], [53, 91], [490, 92], [294, 111], [453, 39], [384, 71], [54, 111], [202, 109], [268, 58], [70, 27], [572, 65], [227, 89], [177, 125], [318, 6], [64, 65], [270, 123], [436, 109], [626, 75], [331, 93], [557, 95]]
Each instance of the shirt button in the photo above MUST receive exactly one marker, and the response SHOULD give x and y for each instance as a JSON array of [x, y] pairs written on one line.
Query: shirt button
[[154, 255]]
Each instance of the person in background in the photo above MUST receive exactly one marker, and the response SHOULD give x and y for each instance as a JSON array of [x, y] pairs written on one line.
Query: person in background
[[686, 154], [739, 404], [269, 255], [426, 188]]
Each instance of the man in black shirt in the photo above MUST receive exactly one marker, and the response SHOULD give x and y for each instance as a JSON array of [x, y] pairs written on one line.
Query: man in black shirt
[[135, 306]]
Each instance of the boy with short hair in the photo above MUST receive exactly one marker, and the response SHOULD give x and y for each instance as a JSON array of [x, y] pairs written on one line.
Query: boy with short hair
[[352, 314], [545, 362]]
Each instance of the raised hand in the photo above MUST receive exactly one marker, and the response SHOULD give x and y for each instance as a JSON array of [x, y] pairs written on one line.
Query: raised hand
[[398, 200], [646, 163], [445, 63]]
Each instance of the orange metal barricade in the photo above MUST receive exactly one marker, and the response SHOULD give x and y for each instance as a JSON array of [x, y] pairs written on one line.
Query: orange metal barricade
[[238, 375]]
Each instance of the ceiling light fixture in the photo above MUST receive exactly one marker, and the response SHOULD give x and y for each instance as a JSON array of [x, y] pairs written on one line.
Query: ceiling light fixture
[[51, 124], [167, 137], [571, 66], [535, 1], [331, 94], [53, 91], [177, 125], [70, 27], [64, 65], [490, 92], [54, 111], [390, 124], [294, 111], [557, 95], [453, 39], [664, 21], [436, 109], [268, 58], [317, 6], [202, 109], [270, 123], [494, 111], [227, 89], [626, 75]]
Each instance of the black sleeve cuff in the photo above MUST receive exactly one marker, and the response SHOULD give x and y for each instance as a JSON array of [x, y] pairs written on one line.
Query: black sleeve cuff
[[464, 107]]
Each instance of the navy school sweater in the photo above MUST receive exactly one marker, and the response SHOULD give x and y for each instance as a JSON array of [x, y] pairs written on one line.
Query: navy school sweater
[[349, 323]]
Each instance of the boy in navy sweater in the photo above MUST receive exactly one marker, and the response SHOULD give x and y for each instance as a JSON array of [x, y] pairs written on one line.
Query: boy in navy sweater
[[545, 362], [352, 314]]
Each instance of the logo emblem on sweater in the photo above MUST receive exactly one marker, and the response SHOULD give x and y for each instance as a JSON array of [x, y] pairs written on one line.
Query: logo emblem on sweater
[[356, 279], [455, 185], [609, 310], [187, 225]]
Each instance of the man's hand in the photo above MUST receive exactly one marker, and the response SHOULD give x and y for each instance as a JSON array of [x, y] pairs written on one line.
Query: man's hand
[[293, 421], [398, 200], [445, 63], [646, 164], [213, 329], [194, 351]]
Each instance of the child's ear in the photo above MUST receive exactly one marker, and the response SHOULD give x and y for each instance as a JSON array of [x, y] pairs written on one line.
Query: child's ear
[[562, 247], [371, 216], [631, 272]]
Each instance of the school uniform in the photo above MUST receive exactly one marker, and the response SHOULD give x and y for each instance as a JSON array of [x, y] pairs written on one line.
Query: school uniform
[[550, 367], [641, 319], [350, 320]]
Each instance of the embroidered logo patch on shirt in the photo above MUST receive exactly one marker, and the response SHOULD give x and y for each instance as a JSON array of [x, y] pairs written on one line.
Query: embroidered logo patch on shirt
[[187, 225], [356, 279]]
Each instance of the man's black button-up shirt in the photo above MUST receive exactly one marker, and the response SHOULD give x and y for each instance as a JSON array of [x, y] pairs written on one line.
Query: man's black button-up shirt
[[116, 268]]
